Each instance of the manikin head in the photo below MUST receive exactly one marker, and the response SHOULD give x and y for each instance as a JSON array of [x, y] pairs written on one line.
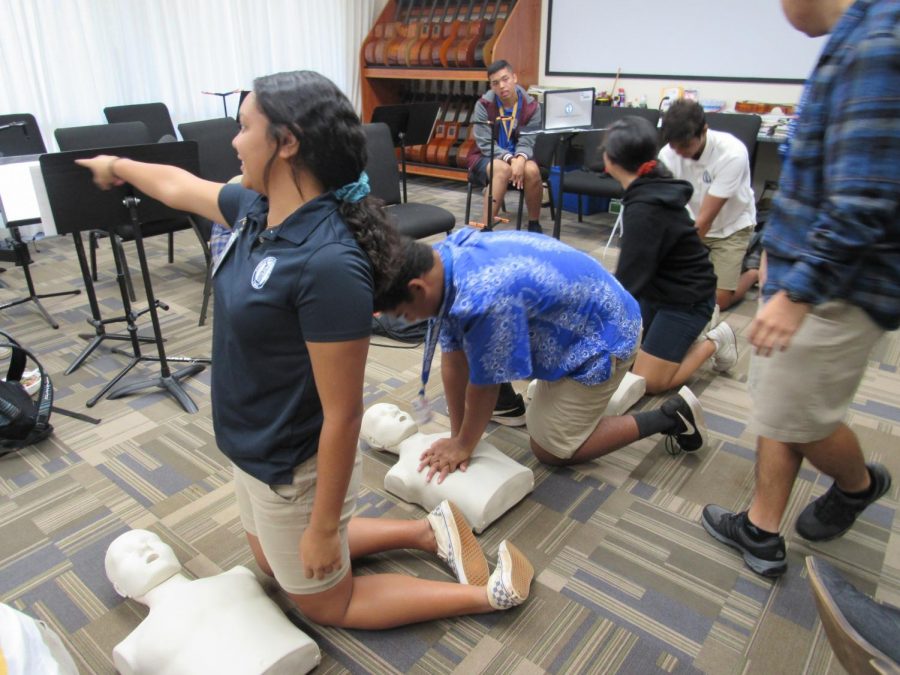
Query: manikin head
[[385, 426], [139, 561]]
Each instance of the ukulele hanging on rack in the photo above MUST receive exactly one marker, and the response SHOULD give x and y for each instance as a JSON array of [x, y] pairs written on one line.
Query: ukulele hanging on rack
[[490, 45], [465, 50]]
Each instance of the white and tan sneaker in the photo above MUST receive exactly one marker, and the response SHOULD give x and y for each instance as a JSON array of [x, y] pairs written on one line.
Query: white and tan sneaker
[[726, 347], [456, 545], [510, 583]]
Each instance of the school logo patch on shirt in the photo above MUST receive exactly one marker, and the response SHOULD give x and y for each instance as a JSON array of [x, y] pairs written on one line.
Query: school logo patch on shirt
[[262, 272], [707, 178]]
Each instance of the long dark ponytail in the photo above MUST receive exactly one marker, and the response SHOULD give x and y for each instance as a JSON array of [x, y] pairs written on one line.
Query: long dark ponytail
[[333, 148]]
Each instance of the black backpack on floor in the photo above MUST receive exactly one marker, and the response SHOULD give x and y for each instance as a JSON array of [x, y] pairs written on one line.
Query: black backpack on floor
[[23, 421]]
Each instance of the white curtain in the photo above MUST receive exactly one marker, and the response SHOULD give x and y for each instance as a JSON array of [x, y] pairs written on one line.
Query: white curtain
[[65, 60]]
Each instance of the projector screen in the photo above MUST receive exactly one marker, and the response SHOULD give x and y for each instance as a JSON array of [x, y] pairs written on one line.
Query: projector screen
[[745, 40]]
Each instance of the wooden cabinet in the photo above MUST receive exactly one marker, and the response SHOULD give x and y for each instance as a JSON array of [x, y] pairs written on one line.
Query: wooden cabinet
[[517, 41]]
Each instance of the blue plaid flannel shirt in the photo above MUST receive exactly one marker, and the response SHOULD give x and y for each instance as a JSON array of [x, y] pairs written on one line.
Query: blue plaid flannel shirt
[[834, 232]]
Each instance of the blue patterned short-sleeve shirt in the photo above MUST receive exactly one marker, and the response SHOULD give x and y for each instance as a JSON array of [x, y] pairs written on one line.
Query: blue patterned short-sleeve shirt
[[525, 306]]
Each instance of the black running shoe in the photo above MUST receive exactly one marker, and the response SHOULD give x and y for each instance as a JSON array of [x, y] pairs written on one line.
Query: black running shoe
[[536, 228], [834, 512], [690, 434], [766, 558], [511, 414]]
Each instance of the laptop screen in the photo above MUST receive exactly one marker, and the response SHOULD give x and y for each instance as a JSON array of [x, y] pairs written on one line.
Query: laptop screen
[[568, 109]]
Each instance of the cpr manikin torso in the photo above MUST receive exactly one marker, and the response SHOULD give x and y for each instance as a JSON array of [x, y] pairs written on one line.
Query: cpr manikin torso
[[224, 624], [492, 484]]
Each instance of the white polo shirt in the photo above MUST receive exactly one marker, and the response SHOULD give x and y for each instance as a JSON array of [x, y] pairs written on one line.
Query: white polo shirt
[[723, 170]]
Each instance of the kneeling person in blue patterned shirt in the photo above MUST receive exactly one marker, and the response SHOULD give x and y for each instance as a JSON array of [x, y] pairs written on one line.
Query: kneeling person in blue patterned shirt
[[514, 305]]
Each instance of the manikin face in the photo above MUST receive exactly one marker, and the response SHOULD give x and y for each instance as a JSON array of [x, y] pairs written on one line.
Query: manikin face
[[138, 561], [385, 426]]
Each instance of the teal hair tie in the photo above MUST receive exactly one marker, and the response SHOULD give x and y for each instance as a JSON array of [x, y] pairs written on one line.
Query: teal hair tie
[[355, 191]]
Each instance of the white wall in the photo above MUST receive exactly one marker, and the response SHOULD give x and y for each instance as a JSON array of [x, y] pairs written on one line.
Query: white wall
[[635, 88]]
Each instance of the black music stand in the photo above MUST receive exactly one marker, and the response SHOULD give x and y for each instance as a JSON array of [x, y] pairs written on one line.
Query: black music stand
[[17, 253], [224, 95], [410, 124], [78, 205], [15, 250]]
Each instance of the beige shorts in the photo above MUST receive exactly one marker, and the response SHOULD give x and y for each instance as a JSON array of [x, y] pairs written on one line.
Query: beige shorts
[[278, 515], [727, 255], [564, 413], [801, 395]]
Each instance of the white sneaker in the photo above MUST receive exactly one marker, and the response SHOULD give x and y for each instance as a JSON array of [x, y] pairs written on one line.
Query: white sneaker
[[726, 347], [457, 546], [630, 390], [510, 583]]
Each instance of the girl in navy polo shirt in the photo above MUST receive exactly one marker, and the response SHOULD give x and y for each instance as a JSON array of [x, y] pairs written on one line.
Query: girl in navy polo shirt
[[293, 308]]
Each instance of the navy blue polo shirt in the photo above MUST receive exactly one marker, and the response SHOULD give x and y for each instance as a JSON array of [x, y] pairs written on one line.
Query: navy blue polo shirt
[[275, 289]]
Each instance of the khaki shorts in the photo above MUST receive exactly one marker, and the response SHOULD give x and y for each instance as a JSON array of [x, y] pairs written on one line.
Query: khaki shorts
[[727, 256], [278, 515], [801, 395], [564, 413]]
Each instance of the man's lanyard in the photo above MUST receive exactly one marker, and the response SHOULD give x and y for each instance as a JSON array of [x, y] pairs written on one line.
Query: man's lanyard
[[509, 123], [421, 405], [235, 233]]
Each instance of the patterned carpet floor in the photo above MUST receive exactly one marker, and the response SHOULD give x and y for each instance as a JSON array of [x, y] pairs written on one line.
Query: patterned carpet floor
[[626, 579]]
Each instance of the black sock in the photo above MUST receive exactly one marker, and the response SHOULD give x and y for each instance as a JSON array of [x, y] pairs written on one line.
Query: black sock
[[862, 494], [656, 422], [507, 397], [757, 533], [534, 223]]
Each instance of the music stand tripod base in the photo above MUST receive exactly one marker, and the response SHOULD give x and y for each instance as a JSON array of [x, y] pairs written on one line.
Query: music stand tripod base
[[170, 384], [23, 259]]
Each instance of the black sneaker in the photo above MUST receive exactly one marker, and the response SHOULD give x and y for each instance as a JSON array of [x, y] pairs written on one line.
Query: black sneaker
[[834, 512], [766, 558], [691, 433], [510, 414], [536, 228]]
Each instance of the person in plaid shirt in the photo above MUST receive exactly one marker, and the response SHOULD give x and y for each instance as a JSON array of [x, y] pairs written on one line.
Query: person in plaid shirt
[[833, 281]]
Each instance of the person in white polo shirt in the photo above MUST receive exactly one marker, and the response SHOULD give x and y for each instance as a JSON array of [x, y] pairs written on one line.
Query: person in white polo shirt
[[718, 166]]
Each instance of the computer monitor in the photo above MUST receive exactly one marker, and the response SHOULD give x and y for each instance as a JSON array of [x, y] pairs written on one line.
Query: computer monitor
[[568, 109]]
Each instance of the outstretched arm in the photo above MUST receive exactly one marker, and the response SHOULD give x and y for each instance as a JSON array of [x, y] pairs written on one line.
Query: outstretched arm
[[172, 186]]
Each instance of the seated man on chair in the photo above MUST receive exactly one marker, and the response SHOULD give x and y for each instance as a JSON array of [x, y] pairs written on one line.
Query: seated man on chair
[[511, 110], [718, 166]]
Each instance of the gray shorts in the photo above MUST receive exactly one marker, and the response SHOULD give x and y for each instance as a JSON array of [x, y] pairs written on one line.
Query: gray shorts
[[801, 395], [278, 515], [562, 414]]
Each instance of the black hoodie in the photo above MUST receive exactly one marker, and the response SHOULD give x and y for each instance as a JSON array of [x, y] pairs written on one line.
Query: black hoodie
[[663, 259]]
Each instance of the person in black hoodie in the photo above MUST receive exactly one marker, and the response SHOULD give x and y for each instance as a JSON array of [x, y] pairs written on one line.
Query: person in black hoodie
[[664, 265]]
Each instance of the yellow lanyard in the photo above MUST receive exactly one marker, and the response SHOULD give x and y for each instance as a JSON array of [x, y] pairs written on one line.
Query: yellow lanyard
[[509, 123]]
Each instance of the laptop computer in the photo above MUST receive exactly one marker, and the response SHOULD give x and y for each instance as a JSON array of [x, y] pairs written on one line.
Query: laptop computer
[[568, 109]]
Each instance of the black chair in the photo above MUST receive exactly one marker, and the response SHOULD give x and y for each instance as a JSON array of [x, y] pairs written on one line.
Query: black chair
[[154, 115], [101, 136], [218, 162], [20, 135], [414, 220], [218, 159], [544, 148], [587, 149], [743, 126]]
